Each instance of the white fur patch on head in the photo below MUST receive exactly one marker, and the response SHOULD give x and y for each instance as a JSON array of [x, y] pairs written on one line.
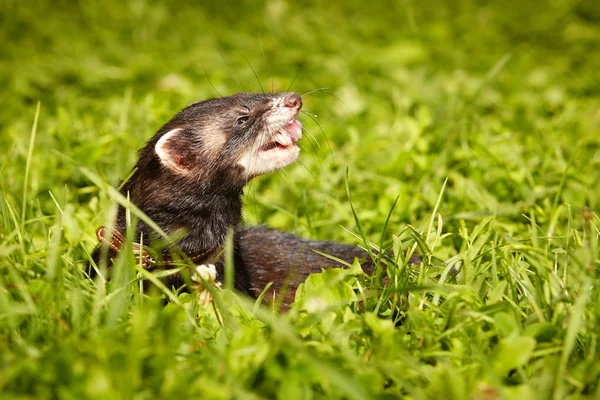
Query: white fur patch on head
[[166, 153], [258, 162]]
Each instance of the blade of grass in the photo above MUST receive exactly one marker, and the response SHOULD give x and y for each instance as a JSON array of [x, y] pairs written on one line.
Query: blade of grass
[[28, 161]]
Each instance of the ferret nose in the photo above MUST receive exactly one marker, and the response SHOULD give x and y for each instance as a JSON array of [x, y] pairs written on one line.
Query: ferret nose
[[293, 100]]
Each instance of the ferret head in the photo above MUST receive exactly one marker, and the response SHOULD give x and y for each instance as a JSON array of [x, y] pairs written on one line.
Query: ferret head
[[239, 136]]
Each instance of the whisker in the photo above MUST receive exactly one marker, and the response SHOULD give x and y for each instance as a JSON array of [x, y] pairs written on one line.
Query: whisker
[[305, 129], [255, 74], [323, 89], [209, 81], [324, 135], [266, 62], [293, 80], [315, 152], [341, 101], [307, 169], [229, 68], [337, 122]]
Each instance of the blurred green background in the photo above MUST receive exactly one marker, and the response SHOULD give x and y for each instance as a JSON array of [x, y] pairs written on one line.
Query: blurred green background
[[501, 98], [407, 94]]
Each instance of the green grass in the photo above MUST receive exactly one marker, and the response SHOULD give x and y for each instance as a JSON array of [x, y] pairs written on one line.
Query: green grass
[[481, 120]]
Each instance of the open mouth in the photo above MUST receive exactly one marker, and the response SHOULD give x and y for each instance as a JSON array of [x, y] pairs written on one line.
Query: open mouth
[[276, 144], [285, 139]]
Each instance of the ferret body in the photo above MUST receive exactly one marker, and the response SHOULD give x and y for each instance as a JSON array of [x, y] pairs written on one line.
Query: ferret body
[[189, 179]]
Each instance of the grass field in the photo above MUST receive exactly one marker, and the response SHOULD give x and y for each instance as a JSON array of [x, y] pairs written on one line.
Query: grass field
[[467, 131]]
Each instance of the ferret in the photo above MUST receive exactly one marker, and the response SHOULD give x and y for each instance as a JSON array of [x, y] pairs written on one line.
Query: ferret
[[189, 179]]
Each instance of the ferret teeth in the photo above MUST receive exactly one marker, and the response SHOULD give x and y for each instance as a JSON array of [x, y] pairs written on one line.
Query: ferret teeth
[[283, 139]]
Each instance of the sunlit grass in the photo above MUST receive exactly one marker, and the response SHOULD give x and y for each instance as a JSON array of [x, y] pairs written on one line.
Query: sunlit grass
[[466, 132]]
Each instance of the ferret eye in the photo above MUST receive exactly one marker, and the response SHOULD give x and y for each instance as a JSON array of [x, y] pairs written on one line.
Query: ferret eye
[[241, 120]]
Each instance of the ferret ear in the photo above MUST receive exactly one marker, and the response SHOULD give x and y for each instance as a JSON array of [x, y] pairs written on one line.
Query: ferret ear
[[175, 151]]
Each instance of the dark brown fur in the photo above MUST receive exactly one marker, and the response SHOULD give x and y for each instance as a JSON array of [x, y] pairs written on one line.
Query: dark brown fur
[[264, 255]]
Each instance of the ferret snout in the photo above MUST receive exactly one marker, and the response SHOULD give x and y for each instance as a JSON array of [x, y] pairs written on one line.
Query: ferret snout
[[293, 100]]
